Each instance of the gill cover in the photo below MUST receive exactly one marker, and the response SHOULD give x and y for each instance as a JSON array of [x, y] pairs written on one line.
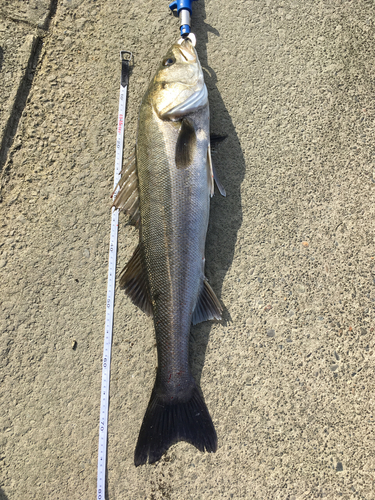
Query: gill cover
[[178, 87]]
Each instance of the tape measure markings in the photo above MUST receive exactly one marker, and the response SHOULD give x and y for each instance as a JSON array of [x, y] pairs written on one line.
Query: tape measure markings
[[126, 57]]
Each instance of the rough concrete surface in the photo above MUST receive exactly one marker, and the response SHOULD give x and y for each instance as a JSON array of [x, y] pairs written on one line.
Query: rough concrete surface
[[288, 376], [32, 12]]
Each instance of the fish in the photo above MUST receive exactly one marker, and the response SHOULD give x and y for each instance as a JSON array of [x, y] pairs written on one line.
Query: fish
[[165, 189]]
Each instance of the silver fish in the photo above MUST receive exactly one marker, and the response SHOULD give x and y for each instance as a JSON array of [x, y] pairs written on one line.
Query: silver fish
[[165, 189]]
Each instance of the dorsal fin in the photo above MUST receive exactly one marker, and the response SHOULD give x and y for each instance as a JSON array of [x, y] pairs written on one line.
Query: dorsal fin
[[127, 198], [129, 167], [133, 279], [207, 306]]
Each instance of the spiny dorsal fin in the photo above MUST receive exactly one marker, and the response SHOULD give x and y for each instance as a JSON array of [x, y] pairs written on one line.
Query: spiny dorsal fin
[[133, 279], [128, 169], [127, 198], [186, 143], [207, 306], [213, 174]]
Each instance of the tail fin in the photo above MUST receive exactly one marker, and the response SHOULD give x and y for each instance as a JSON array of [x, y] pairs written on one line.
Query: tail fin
[[165, 424]]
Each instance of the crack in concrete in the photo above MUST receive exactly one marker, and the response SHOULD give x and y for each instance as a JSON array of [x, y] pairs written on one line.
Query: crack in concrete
[[24, 22], [24, 87]]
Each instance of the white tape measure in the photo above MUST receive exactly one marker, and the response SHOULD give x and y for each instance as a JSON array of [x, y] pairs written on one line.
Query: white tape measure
[[126, 57]]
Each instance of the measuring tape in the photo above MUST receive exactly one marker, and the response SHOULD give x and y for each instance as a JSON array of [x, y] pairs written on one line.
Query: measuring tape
[[126, 57]]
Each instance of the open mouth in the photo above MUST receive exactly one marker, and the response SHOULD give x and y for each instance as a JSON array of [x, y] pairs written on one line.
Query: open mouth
[[186, 49], [192, 38]]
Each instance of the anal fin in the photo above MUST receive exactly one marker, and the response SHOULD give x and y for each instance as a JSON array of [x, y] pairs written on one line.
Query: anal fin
[[207, 306], [133, 280]]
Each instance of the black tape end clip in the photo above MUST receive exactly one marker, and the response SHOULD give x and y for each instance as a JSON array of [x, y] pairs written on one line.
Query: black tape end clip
[[126, 57]]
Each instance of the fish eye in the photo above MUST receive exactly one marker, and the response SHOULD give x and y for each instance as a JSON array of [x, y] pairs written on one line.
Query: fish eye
[[169, 61]]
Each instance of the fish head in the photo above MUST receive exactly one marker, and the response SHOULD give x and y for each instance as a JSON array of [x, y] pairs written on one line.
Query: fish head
[[178, 87]]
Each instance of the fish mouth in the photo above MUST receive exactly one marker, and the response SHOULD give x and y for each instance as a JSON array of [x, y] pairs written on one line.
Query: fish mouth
[[197, 100], [192, 38], [186, 49]]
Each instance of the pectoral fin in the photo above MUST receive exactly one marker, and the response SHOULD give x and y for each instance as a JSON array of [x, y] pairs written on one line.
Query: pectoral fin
[[133, 280], [213, 174], [186, 144], [208, 305]]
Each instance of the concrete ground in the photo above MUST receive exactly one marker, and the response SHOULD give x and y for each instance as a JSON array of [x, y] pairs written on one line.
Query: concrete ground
[[288, 376]]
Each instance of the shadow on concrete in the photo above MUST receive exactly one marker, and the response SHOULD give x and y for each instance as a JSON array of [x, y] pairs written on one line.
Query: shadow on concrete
[[225, 213], [3, 495], [1, 57]]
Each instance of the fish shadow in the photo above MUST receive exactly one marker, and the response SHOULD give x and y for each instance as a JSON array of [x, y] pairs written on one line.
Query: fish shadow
[[225, 213], [3, 495]]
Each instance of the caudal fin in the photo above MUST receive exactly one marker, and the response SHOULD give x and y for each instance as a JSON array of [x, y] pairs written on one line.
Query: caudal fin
[[165, 424]]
